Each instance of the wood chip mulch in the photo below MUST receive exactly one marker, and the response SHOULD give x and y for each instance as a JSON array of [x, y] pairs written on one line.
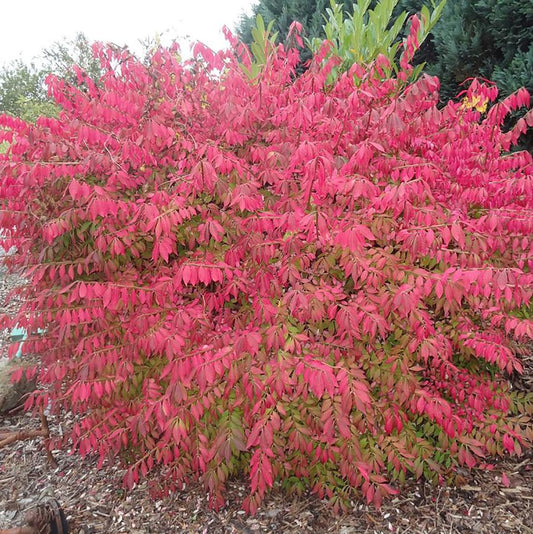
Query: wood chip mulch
[[95, 501]]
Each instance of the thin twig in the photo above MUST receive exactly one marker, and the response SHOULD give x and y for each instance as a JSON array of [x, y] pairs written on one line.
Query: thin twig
[[46, 435]]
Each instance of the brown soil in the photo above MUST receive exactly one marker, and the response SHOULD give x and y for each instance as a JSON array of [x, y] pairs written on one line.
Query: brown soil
[[95, 502]]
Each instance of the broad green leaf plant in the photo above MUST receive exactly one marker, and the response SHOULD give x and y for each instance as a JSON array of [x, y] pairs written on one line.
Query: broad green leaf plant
[[364, 35], [264, 42]]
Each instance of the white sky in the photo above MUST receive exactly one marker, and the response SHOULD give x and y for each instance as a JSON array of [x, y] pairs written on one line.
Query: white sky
[[28, 26]]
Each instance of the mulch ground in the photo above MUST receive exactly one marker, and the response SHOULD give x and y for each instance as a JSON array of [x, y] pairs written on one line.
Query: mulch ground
[[95, 501]]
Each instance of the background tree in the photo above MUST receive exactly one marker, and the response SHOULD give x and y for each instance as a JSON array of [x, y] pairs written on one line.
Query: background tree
[[23, 91], [366, 34], [492, 39], [309, 13], [370, 26], [63, 55]]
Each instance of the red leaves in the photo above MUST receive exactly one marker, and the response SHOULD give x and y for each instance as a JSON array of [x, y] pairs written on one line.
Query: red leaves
[[215, 230], [508, 443], [319, 376], [192, 274], [163, 248], [458, 234], [505, 480], [78, 190], [362, 156], [466, 458], [355, 238], [406, 299]]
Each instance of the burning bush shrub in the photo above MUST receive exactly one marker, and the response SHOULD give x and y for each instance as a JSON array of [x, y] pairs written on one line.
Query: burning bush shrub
[[319, 285]]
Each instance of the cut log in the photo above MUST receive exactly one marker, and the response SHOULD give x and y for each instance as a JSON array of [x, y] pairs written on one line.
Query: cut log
[[12, 395]]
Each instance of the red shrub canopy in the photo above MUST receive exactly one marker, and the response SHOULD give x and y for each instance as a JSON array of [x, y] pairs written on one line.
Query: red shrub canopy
[[318, 285]]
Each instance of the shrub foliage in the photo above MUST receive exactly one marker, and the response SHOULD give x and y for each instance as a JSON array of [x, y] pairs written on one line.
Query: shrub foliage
[[318, 285]]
